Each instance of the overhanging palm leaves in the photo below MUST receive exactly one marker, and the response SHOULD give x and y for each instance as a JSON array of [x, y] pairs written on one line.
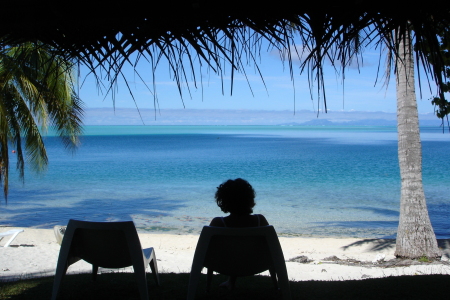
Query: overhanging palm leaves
[[222, 35], [36, 91]]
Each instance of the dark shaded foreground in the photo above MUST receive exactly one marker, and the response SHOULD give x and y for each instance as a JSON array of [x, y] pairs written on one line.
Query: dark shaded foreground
[[174, 286]]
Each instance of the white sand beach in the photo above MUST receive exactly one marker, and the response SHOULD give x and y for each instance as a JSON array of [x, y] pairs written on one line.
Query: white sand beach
[[35, 253]]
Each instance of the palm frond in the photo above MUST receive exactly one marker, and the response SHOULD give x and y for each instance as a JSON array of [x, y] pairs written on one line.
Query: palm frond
[[37, 90]]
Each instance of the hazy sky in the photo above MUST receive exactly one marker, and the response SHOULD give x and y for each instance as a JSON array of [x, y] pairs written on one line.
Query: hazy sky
[[361, 93]]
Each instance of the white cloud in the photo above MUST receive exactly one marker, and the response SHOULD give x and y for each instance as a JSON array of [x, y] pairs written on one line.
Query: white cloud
[[298, 53]]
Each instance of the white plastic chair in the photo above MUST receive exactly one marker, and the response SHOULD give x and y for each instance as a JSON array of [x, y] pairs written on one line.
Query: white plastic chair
[[13, 232], [239, 252], [59, 233], [106, 245]]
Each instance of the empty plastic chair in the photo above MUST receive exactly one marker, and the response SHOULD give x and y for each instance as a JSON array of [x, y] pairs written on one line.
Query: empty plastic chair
[[13, 232], [106, 245]]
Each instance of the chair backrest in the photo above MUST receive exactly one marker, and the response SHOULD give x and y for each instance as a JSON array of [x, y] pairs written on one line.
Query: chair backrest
[[105, 244], [261, 245], [240, 251]]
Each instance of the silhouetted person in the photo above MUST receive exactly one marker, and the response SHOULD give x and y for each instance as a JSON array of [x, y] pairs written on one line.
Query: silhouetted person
[[236, 197]]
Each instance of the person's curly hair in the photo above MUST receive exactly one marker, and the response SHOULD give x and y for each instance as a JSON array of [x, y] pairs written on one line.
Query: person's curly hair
[[236, 196]]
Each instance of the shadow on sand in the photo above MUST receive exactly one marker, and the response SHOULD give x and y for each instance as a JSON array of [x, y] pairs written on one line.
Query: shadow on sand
[[385, 244], [374, 244], [174, 286]]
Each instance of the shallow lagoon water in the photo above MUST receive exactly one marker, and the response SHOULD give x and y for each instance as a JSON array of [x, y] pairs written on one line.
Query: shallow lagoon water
[[310, 181]]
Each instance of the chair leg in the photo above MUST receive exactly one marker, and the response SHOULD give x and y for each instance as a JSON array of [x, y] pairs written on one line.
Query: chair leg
[[61, 271], [16, 232], [94, 272], [154, 268], [209, 280], [194, 277], [283, 280], [141, 278], [273, 275]]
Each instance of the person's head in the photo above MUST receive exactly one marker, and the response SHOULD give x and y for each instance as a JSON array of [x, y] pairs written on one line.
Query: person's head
[[236, 196]]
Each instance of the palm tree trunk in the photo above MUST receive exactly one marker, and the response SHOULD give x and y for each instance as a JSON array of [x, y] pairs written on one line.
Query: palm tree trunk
[[415, 235]]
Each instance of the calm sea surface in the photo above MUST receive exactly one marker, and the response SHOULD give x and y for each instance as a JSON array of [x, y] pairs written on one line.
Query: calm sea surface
[[310, 181]]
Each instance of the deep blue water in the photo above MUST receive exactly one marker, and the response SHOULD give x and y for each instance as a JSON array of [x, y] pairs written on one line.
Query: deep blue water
[[310, 181]]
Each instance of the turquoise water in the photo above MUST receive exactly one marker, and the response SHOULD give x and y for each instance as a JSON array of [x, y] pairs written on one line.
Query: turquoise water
[[310, 181]]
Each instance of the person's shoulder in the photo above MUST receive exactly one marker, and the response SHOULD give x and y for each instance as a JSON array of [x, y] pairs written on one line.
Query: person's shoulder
[[216, 222], [263, 221]]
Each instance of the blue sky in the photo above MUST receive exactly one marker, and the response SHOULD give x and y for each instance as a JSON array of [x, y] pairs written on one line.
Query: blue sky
[[361, 93]]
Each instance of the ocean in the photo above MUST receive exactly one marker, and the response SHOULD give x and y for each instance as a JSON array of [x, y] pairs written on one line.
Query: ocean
[[310, 181]]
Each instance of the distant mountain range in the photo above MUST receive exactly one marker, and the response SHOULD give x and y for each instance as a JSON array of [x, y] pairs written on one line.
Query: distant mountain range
[[362, 122], [131, 116]]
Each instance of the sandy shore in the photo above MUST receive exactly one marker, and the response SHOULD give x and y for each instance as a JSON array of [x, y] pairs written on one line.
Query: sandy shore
[[35, 252]]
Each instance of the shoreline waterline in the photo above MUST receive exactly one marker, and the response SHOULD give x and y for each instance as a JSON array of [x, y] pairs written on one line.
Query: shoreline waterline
[[196, 232]]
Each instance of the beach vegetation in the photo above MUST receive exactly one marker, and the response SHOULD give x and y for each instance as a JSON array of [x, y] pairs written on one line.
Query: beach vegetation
[[37, 92], [441, 104], [424, 259]]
